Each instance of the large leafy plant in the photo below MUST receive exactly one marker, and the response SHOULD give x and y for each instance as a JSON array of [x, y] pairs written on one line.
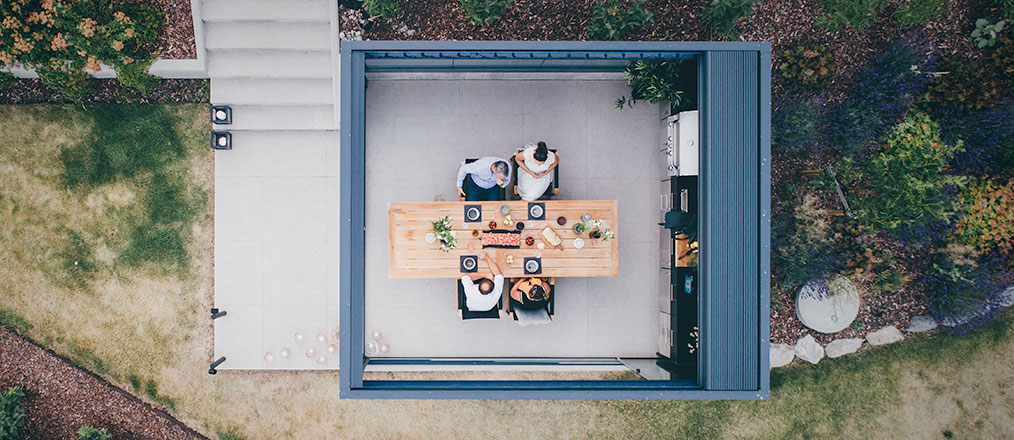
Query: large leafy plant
[[902, 186], [12, 416], [64, 40], [986, 31], [654, 81], [612, 19], [483, 12], [722, 15]]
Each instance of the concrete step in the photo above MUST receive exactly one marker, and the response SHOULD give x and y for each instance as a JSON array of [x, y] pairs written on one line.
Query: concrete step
[[275, 91], [268, 35], [265, 10], [269, 63], [285, 117]]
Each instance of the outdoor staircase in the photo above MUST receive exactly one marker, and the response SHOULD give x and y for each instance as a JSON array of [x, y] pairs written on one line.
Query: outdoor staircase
[[274, 62]]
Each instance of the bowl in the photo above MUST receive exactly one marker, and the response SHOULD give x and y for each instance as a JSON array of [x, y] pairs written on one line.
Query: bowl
[[469, 263], [431, 237], [578, 243], [505, 210], [532, 265], [519, 226], [536, 211], [472, 214], [561, 220]]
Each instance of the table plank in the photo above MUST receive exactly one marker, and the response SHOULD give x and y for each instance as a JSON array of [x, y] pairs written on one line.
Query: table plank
[[409, 256]]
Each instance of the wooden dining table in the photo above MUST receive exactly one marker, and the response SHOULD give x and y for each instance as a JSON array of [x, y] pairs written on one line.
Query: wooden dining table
[[412, 257]]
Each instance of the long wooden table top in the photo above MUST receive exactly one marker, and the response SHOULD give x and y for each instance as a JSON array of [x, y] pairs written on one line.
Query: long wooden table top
[[412, 257]]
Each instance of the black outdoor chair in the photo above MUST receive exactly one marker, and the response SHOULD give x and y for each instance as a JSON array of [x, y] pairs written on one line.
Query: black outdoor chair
[[511, 303], [503, 195], [553, 189], [493, 313]]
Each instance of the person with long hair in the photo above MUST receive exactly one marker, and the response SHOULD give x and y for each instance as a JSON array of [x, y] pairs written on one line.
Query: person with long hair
[[536, 165]]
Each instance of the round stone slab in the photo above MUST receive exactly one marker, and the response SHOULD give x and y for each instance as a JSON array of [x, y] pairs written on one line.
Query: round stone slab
[[828, 306]]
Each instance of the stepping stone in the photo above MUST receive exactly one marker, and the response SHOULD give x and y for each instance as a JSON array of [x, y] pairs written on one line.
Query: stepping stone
[[809, 350], [884, 336], [828, 306], [842, 347], [781, 355], [921, 324]]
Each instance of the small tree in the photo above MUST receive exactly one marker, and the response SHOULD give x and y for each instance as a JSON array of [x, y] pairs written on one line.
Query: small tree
[[12, 416]]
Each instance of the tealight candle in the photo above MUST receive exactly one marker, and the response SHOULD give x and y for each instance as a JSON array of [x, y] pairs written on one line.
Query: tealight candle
[[321, 359], [331, 349], [385, 348], [321, 338], [220, 114], [269, 357], [376, 336], [284, 353], [222, 141], [298, 337], [310, 353]]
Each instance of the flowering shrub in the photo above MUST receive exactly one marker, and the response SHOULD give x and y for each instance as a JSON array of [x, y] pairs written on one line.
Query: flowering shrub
[[963, 295], [810, 65], [988, 215], [882, 93], [62, 40], [612, 19], [902, 186]]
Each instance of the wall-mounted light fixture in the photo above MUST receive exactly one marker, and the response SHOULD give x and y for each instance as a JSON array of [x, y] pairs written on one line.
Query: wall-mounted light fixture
[[221, 114], [221, 140]]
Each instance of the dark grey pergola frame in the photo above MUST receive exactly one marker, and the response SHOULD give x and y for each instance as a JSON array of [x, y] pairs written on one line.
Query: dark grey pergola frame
[[734, 90]]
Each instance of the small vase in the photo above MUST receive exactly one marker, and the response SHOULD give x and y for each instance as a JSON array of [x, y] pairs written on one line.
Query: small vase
[[578, 228], [595, 234]]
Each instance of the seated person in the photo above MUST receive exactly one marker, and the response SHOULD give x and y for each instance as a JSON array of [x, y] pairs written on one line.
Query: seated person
[[482, 177], [538, 163], [531, 294], [484, 295]]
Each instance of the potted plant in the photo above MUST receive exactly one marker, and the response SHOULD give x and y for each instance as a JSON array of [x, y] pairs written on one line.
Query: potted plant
[[579, 228], [447, 237], [600, 230]]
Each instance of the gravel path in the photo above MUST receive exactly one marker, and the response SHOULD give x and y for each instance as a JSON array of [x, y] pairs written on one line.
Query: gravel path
[[60, 397]]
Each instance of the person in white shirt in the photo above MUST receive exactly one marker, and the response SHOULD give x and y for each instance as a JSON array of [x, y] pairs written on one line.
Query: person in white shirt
[[536, 165], [481, 294]]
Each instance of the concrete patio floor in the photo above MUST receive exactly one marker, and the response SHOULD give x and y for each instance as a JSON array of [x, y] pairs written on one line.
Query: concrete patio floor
[[417, 131]]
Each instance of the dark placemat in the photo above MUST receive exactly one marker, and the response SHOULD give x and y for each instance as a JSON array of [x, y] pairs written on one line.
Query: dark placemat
[[464, 213], [461, 263], [535, 272], [541, 217]]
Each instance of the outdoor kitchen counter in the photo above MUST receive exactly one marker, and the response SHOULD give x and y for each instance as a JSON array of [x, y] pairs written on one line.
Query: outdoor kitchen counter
[[410, 256]]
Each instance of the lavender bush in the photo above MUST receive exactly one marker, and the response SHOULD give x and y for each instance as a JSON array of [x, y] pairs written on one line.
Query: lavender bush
[[881, 94], [963, 295], [986, 135]]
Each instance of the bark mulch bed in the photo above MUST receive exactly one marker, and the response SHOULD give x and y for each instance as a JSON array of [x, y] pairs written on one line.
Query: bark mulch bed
[[60, 398], [176, 42], [31, 91], [784, 23]]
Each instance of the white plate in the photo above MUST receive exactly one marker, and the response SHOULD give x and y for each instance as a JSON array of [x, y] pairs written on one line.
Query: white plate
[[469, 263], [431, 237], [536, 211], [473, 213], [532, 265], [578, 243]]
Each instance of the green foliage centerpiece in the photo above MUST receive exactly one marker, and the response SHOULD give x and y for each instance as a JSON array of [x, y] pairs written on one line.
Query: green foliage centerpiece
[[599, 230], [442, 229]]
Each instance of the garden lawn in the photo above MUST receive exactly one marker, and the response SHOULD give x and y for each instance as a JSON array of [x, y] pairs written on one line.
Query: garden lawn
[[135, 311]]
